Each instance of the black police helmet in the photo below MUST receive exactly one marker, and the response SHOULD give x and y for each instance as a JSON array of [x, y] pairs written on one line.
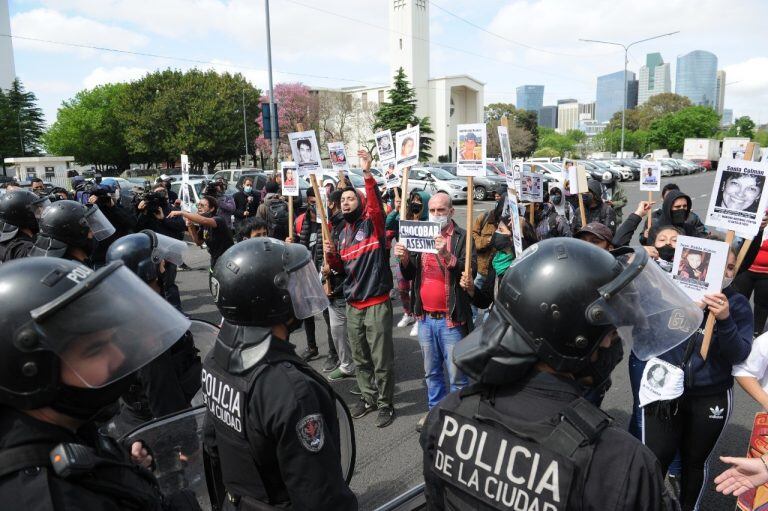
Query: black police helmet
[[545, 294], [16, 208], [65, 222], [138, 252], [249, 281], [29, 373]]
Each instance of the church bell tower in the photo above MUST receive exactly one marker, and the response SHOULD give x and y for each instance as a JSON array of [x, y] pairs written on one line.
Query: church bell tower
[[409, 46]]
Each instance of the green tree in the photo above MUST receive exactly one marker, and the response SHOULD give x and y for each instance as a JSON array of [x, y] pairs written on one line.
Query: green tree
[[550, 139], [495, 111], [88, 128], [761, 137], [631, 120], [547, 152], [670, 131], [742, 127], [22, 122], [658, 106], [400, 111]]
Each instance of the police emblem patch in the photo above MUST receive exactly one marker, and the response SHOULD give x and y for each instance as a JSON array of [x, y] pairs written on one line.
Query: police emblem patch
[[310, 432]]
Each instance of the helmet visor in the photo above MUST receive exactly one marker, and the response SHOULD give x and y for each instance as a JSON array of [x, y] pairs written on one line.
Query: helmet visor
[[108, 326], [170, 249], [101, 227], [39, 206], [650, 312], [307, 294], [7, 231]]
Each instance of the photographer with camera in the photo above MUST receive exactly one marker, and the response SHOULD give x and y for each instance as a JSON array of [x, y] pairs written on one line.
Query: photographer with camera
[[106, 197]]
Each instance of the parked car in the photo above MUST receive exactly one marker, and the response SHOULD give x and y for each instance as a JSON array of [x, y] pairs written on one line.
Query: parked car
[[380, 181], [433, 179], [230, 175], [666, 170], [484, 187], [677, 169]]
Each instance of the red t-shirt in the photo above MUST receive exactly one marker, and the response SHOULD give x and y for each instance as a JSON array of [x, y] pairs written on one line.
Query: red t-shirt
[[433, 293]]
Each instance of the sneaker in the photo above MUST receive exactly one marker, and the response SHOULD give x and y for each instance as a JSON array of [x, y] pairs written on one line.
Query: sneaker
[[420, 424], [414, 330], [355, 390], [386, 417], [405, 321], [330, 364], [361, 409], [309, 354], [338, 374]]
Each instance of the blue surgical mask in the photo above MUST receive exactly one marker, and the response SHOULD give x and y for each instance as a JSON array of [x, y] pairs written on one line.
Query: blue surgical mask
[[248, 189], [556, 199]]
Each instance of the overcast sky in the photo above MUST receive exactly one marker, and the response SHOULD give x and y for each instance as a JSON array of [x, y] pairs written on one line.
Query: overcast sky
[[336, 43]]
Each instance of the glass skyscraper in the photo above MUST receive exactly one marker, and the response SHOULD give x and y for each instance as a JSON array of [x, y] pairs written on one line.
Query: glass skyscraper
[[530, 97], [696, 77], [610, 94]]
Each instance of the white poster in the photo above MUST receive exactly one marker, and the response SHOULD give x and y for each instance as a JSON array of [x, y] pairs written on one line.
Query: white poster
[[385, 146], [323, 203], [306, 153], [577, 178], [737, 201], [514, 214], [650, 176], [407, 148], [472, 145], [186, 202], [289, 178], [513, 174], [392, 176], [419, 236], [531, 187], [661, 381], [699, 265], [506, 153], [338, 155]]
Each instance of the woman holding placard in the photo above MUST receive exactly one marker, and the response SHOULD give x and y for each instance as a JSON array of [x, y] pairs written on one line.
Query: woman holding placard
[[689, 411]]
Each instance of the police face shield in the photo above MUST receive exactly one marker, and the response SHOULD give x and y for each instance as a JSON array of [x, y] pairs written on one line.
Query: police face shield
[[40, 205], [301, 280], [108, 326], [170, 249], [648, 310], [101, 227], [7, 231]]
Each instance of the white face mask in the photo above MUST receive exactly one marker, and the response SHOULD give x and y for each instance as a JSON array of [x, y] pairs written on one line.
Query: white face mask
[[439, 219]]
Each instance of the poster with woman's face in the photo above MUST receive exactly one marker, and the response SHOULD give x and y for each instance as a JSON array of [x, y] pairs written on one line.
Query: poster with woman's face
[[290, 183], [306, 152], [471, 144], [338, 156], [737, 202], [661, 381], [698, 266], [407, 148], [650, 176]]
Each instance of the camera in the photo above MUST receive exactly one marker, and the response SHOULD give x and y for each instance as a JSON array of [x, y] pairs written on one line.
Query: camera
[[152, 202]]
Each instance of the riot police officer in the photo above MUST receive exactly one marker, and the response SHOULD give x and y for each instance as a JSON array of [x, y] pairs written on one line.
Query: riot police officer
[[18, 211], [522, 435], [168, 383], [71, 230], [68, 339], [275, 430]]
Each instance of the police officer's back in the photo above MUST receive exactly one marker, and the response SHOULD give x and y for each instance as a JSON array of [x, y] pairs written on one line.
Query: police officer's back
[[523, 436], [67, 343], [272, 420]]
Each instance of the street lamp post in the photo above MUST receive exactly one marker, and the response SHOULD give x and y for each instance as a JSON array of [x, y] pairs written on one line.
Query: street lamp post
[[273, 120], [245, 130], [626, 51]]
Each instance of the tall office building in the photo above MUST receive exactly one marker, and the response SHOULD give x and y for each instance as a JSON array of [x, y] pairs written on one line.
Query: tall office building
[[720, 104], [548, 116], [7, 68], [654, 78], [696, 77], [530, 97], [567, 115], [727, 117], [610, 94]]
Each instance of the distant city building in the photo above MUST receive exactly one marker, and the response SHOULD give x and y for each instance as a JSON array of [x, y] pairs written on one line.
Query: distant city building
[[727, 117], [567, 115], [591, 127], [720, 91], [548, 116], [7, 68], [587, 111], [696, 77], [530, 97], [610, 94], [654, 78]]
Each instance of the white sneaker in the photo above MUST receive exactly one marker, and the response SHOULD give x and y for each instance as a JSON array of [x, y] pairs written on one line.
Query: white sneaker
[[414, 330], [406, 320]]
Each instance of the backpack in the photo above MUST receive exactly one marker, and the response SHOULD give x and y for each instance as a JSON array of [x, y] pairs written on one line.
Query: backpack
[[277, 219]]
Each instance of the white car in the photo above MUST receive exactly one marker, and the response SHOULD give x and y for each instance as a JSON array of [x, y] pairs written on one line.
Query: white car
[[195, 189], [432, 179]]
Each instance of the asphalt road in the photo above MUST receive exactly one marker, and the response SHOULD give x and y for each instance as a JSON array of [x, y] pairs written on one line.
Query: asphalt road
[[389, 459]]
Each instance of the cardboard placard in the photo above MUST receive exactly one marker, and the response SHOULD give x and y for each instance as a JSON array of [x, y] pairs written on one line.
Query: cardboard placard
[[472, 144], [699, 265], [289, 178], [650, 176], [514, 214], [737, 201], [531, 187], [419, 236], [513, 174], [338, 156], [306, 153], [577, 178], [506, 152], [407, 148], [392, 176], [385, 147]]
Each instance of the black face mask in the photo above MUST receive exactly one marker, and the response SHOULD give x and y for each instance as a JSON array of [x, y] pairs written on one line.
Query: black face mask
[[667, 252], [501, 242], [607, 359], [353, 215], [91, 404], [498, 209], [679, 216], [556, 199], [416, 208]]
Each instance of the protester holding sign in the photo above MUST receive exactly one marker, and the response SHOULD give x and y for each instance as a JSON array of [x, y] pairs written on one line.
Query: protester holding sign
[[547, 221], [692, 225], [614, 195], [596, 209], [442, 306]]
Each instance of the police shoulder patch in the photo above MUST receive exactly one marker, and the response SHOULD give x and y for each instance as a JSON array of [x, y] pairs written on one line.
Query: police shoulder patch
[[311, 432]]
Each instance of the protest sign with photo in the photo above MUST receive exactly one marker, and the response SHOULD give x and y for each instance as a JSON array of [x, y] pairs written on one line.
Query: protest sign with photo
[[531, 187], [650, 176], [419, 236], [407, 148], [506, 153], [661, 381], [699, 265], [471, 144], [513, 173], [323, 202], [338, 156], [737, 201], [756, 498], [385, 146], [306, 153], [514, 214], [392, 176], [289, 178]]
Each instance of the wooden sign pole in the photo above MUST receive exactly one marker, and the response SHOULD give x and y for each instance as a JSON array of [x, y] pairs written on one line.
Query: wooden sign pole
[[709, 328], [318, 201], [650, 219], [468, 246]]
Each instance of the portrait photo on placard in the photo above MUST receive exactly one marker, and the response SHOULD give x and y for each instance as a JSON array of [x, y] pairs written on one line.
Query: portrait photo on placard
[[290, 183], [392, 176], [338, 156], [306, 152], [698, 266], [407, 148], [739, 192], [650, 177], [385, 146], [471, 145], [738, 200]]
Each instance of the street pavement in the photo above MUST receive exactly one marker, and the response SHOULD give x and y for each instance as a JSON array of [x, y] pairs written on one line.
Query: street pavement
[[389, 459]]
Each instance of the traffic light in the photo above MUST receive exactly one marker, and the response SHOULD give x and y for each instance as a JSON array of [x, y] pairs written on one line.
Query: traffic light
[[267, 121]]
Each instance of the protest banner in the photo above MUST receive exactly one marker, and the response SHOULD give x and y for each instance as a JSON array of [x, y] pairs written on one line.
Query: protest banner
[[699, 265], [419, 236], [650, 181], [290, 182], [407, 148], [514, 213], [756, 499], [472, 146], [306, 153], [186, 202]]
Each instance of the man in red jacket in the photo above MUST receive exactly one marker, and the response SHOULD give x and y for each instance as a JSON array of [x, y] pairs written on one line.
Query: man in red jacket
[[361, 252]]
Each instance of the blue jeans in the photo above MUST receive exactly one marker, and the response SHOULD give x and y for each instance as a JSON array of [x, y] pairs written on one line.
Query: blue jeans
[[437, 341]]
